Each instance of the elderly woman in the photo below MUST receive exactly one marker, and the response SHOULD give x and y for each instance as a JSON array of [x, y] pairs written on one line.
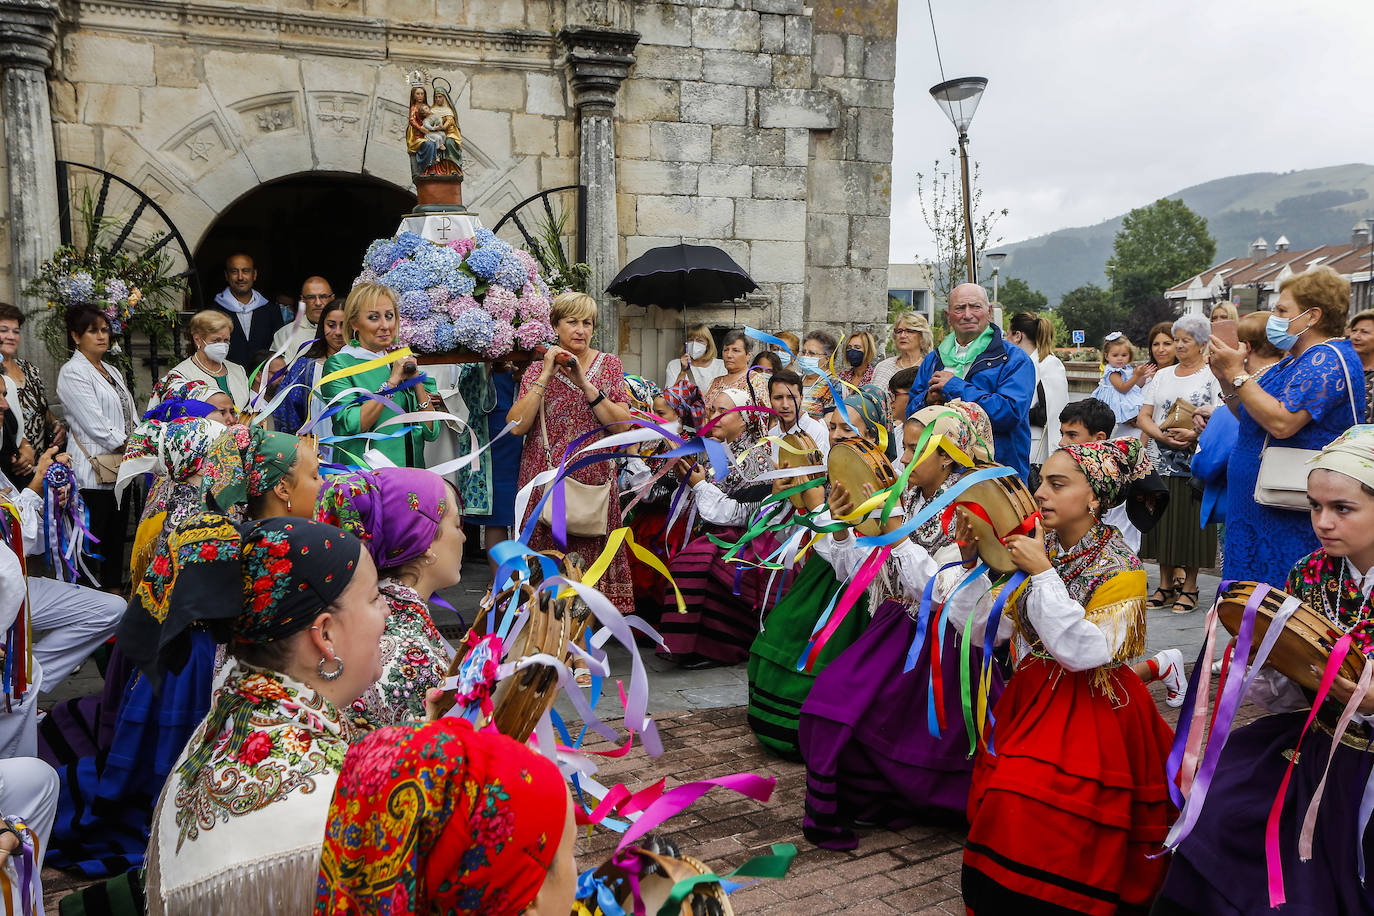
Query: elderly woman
[[238, 827], [1177, 541], [723, 599], [23, 387], [410, 522], [302, 377], [1361, 334], [575, 391], [812, 363], [911, 335], [1220, 866], [1303, 402], [735, 354], [210, 330], [101, 412], [698, 361], [371, 323], [438, 818]]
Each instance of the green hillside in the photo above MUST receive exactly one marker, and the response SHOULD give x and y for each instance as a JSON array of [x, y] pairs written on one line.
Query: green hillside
[[1312, 207]]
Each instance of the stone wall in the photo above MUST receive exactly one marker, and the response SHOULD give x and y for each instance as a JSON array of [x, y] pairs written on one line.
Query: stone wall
[[761, 126]]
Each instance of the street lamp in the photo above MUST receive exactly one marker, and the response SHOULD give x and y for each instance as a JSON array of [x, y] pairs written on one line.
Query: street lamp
[[959, 99], [996, 257]]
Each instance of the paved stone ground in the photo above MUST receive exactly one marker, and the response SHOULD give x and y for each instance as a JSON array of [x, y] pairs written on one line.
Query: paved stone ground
[[702, 722]]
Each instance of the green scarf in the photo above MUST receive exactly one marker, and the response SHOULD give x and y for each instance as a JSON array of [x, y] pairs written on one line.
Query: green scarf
[[957, 359]]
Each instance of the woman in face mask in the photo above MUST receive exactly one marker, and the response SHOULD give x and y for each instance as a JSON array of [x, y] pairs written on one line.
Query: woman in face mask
[[813, 359], [209, 330], [697, 360], [860, 351], [1304, 401]]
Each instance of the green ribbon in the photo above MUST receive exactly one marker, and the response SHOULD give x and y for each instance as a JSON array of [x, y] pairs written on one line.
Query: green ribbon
[[769, 866]]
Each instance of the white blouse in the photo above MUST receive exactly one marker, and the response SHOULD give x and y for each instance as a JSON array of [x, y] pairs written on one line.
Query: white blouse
[[237, 380], [99, 412]]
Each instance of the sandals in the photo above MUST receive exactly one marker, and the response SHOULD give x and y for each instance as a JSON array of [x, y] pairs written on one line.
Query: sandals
[[1165, 595], [1180, 608]]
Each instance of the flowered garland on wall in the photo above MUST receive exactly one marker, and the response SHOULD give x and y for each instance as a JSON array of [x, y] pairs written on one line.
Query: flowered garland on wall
[[480, 295]]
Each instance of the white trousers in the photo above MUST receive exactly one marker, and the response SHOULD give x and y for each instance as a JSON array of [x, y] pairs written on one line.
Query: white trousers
[[19, 726], [73, 621], [28, 791]]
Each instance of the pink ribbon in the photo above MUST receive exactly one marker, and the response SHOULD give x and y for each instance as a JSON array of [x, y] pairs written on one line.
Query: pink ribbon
[[675, 801], [1309, 821], [866, 573]]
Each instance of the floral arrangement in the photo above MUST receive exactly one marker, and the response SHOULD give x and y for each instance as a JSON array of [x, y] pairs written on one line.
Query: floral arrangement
[[136, 289], [479, 295]]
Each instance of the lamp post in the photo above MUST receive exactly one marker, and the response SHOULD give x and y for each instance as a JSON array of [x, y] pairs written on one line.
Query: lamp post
[[996, 257], [959, 99]]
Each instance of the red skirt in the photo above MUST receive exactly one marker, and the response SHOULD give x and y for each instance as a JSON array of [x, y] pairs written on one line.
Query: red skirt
[[1075, 798]]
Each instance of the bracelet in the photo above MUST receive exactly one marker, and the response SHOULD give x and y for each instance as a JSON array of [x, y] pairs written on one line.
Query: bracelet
[[540, 384], [600, 396]]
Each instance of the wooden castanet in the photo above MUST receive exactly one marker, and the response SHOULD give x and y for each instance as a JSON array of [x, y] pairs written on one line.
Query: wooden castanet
[[855, 462], [1306, 641], [808, 454], [995, 509]]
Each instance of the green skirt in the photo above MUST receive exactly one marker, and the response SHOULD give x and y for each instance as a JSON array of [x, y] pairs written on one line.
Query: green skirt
[[1177, 540], [776, 688]]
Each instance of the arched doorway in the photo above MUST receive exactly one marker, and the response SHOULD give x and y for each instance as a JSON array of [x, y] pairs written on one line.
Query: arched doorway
[[311, 223]]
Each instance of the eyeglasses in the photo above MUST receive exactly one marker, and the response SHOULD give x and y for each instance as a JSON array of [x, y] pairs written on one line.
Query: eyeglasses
[[324, 297], [905, 331]]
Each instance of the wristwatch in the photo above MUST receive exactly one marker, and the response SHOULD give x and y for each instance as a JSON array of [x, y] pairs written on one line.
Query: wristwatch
[[1240, 380]]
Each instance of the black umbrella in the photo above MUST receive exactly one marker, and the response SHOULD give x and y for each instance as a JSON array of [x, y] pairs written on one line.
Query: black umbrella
[[676, 276]]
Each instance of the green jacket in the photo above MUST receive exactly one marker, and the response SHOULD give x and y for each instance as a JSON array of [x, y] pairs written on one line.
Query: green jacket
[[405, 451]]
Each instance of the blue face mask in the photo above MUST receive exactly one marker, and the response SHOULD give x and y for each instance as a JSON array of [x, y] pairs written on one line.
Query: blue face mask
[[784, 358], [809, 364], [1276, 329]]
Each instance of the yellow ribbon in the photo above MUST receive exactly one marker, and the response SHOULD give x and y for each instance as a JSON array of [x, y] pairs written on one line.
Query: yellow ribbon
[[368, 366], [603, 563]]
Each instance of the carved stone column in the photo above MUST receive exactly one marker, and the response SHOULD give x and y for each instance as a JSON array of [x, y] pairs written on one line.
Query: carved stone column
[[599, 58], [28, 34]]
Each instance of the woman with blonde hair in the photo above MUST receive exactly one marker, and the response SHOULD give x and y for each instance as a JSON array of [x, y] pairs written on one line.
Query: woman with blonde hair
[[698, 361], [370, 324], [860, 351], [574, 391], [209, 331], [912, 337]]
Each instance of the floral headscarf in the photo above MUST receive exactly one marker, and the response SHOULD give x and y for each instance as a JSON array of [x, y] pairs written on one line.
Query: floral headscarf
[[177, 447], [1110, 466], [1351, 454], [246, 461], [178, 397], [643, 391], [872, 404], [438, 818], [964, 424], [395, 512]]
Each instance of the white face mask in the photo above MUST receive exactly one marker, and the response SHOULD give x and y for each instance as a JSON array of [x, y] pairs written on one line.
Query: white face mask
[[696, 349], [216, 352]]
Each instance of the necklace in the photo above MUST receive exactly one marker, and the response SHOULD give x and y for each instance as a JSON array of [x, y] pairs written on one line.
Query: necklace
[[195, 358]]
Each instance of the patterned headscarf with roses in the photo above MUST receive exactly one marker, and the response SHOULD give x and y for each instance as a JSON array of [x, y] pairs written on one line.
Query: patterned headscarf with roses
[[246, 461], [438, 818]]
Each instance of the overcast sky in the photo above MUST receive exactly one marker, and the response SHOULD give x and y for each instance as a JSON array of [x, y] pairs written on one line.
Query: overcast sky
[[1095, 107]]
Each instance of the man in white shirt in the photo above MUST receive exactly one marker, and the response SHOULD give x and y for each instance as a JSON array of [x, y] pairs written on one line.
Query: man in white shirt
[[785, 396], [256, 319], [73, 620], [316, 293]]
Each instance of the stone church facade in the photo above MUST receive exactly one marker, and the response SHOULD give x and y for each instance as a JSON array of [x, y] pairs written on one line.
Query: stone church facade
[[761, 126]]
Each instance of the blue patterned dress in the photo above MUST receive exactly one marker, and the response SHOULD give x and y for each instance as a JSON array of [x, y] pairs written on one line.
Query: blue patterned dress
[[1262, 544]]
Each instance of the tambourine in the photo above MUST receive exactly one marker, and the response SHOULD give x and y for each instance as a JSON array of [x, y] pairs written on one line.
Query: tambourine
[[807, 454], [1306, 641], [855, 462], [661, 866], [997, 509]]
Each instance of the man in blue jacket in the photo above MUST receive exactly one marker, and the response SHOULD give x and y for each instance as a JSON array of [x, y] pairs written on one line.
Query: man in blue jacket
[[973, 363]]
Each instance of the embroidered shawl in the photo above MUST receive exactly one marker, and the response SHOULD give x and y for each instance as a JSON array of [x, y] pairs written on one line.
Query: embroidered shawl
[[415, 658], [1324, 584]]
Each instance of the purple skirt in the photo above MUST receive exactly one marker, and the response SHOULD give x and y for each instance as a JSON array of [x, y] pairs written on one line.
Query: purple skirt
[[1220, 867], [869, 753]]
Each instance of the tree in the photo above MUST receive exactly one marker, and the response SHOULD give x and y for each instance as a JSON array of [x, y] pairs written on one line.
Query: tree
[[1157, 247], [941, 197], [1015, 295], [1089, 309], [1138, 320]]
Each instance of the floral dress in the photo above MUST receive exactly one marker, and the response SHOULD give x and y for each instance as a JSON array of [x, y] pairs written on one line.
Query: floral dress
[[415, 658], [567, 417]]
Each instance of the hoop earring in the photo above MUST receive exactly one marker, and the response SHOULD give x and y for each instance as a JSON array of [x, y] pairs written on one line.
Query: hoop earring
[[330, 675]]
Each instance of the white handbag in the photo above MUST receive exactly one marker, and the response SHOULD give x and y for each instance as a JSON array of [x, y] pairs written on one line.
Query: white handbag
[[1282, 479], [586, 507]]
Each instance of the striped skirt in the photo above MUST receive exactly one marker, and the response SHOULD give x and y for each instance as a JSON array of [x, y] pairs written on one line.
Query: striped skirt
[[723, 599], [1177, 540]]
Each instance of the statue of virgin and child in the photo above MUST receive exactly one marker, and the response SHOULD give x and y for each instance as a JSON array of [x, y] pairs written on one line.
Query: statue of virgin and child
[[432, 137]]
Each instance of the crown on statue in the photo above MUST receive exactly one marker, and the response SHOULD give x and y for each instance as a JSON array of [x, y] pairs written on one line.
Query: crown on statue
[[415, 78]]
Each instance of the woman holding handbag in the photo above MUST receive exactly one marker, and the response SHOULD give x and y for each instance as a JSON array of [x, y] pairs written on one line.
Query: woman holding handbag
[[1166, 418], [573, 391], [100, 414], [1300, 404]]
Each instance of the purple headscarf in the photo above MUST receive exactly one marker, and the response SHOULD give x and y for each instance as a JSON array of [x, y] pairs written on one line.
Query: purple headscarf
[[395, 512]]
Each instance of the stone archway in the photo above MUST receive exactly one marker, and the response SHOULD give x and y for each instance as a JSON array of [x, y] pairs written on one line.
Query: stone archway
[[300, 225]]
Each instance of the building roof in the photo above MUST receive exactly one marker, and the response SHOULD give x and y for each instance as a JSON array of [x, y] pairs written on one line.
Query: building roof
[[1266, 270]]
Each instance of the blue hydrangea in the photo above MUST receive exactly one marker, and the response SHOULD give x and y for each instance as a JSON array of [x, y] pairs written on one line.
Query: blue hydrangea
[[512, 273], [437, 260], [406, 276], [486, 261], [414, 304], [474, 330], [445, 337], [486, 237], [116, 289], [381, 254], [409, 243], [79, 287], [460, 283]]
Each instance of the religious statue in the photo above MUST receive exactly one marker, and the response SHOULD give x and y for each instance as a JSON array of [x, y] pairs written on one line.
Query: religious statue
[[432, 137]]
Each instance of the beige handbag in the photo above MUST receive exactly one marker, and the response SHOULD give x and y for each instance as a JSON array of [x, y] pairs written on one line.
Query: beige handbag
[[586, 506], [105, 466], [1180, 416], [1282, 479]]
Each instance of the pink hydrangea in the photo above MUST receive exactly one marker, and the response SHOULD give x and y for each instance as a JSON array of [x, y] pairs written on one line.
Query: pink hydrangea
[[438, 297], [367, 276], [531, 265], [463, 246], [500, 303], [460, 304], [532, 306], [502, 339], [533, 334]]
